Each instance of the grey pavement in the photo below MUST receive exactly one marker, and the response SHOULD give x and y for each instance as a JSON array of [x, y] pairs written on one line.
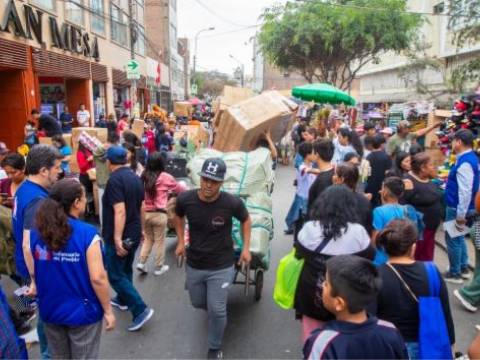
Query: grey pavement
[[255, 329]]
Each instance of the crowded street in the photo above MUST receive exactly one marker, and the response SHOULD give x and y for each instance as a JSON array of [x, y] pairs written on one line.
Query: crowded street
[[241, 179], [259, 330]]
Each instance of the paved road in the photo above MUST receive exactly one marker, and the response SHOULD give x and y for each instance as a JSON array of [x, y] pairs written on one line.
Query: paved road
[[255, 330]]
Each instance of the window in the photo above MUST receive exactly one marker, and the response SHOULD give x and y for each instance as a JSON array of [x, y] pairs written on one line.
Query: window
[[140, 43], [173, 37], [458, 19], [45, 4], [98, 17], [139, 12], [119, 27], [74, 11]]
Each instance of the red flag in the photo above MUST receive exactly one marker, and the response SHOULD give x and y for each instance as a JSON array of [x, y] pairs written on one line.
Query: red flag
[[158, 78]]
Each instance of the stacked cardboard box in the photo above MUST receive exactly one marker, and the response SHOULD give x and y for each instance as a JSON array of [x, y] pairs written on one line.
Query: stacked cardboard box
[[100, 133], [183, 109], [243, 124], [230, 96]]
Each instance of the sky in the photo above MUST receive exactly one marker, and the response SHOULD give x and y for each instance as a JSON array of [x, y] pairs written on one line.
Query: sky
[[231, 35]]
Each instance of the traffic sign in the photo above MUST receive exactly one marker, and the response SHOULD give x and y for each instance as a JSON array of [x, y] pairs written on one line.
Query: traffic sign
[[133, 69], [194, 89]]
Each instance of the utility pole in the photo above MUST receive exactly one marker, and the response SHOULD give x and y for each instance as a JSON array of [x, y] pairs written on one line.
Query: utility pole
[[133, 38], [195, 51]]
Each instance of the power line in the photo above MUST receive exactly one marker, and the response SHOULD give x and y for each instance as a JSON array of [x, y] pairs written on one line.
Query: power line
[[214, 13]]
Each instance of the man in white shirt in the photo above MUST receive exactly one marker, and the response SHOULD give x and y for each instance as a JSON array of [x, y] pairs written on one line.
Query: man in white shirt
[[83, 117]]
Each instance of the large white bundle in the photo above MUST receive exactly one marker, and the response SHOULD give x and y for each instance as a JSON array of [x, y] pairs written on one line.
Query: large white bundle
[[259, 206], [247, 172]]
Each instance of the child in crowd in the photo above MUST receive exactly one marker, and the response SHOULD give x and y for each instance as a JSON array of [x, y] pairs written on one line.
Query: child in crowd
[[392, 190], [308, 135], [305, 176], [352, 283]]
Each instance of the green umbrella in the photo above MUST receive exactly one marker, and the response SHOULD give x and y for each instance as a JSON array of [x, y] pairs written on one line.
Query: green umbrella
[[322, 93]]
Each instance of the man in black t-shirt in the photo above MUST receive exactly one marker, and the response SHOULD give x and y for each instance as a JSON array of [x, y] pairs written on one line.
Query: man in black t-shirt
[[380, 162], [123, 220], [210, 254]]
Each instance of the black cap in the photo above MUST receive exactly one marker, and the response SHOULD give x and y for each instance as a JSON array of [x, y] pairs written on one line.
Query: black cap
[[465, 136], [214, 169]]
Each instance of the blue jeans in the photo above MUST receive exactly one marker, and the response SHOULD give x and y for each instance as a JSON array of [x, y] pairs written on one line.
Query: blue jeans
[[412, 349], [42, 339], [208, 290], [456, 247], [298, 206], [120, 275]]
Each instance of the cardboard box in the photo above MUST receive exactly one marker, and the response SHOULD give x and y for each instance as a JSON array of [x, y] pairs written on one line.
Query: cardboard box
[[242, 125], [76, 132], [45, 140], [230, 96], [196, 134], [431, 138], [102, 134], [68, 139], [182, 108], [138, 127]]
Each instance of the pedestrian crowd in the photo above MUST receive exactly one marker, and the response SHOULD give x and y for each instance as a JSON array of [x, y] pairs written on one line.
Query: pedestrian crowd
[[364, 219]]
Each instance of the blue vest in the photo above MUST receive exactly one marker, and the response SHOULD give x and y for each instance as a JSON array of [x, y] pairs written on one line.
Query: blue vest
[[451, 192], [26, 194], [65, 293]]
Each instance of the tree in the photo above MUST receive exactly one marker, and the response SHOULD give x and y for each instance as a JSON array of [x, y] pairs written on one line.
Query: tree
[[464, 22], [211, 83], [332, 40]]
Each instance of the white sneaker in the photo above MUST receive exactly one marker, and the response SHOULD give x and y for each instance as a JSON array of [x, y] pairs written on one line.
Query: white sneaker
[[477, 327], [142, 268], [464, 302], [161, 270]]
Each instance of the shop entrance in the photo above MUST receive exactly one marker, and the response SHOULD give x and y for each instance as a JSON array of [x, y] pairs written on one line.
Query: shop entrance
[[13, 106], [58, 92], [53, 95]]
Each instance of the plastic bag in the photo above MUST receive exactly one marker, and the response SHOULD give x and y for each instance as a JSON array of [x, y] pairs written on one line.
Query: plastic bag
[[288, 273]]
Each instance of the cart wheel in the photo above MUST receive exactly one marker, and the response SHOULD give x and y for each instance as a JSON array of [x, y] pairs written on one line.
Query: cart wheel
[[258, 284]]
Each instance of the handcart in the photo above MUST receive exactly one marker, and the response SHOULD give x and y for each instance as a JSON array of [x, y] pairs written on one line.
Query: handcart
[[250, 275]]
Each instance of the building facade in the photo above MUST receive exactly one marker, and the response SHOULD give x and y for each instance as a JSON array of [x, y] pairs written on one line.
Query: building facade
[[66, 53], [382, 82], [161, 24]]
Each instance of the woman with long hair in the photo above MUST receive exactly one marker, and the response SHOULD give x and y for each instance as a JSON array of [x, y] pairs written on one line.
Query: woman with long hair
[[404, 280], [347, 141], [136, 167], [14, 166], [401, 165], [159, 185], [69, 274], [333, 229]]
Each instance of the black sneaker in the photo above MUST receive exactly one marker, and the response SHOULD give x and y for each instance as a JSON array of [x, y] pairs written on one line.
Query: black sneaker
[[466, 274], [451, 278], [215, 354], [288, 232]]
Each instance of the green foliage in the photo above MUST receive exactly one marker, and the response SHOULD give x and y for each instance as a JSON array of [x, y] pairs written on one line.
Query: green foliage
[[331, 40], [211, 83], [465, 21]]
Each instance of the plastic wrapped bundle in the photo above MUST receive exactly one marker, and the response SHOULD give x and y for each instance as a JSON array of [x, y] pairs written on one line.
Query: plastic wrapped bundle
[[247, 172]]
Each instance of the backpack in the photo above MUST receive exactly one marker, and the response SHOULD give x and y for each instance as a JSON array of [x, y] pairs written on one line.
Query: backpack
[[433, 338]]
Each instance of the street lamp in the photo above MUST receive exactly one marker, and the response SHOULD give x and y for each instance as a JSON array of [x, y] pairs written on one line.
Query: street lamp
[[195, 50], [243, 69]]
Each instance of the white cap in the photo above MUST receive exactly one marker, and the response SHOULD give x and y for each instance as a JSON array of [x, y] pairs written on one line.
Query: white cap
[[387, 130]]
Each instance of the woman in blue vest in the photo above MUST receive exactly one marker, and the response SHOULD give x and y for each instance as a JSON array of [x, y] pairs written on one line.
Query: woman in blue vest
[[70, 278]]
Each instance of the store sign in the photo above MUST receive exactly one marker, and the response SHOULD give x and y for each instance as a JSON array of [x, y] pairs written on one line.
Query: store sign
[[66, 37]]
